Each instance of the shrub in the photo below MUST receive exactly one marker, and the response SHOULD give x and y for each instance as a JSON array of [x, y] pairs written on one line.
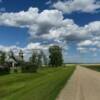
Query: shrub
[[4, 70], [28, 67], [15, 70]]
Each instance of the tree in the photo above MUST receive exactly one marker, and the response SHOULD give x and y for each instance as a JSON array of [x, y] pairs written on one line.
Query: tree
[[55, 56], [33, 64], [3, 68], [2, 57], [36, 58], [44, 58]]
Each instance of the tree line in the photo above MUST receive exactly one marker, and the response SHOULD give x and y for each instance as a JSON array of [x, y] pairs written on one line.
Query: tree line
[[37, 60]]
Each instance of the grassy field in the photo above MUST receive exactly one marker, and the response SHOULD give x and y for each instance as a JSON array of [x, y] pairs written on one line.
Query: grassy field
[[44, 85], [95, 67]]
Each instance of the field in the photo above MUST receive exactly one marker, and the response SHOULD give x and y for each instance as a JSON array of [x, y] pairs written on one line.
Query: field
[[95, 67], [44, 85]]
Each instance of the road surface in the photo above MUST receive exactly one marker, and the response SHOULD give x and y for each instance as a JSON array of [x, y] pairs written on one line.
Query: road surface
[[83, 85]]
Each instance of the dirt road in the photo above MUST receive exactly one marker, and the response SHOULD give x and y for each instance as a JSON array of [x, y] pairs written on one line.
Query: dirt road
[[83, 85]]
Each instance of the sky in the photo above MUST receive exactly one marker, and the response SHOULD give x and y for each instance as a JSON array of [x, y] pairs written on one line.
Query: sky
[[37, 24]]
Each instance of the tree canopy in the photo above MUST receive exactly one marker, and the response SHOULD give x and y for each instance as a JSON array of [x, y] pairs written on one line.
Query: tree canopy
[[2, 57], [55, 56]]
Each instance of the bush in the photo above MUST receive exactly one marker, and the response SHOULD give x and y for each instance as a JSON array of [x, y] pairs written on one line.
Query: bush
[[4, 70], [28, 67], [16, 70]]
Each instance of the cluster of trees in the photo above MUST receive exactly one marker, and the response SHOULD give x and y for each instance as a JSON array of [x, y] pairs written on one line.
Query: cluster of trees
[[2, 57], [34, 62], [3, 69], [38, 59]]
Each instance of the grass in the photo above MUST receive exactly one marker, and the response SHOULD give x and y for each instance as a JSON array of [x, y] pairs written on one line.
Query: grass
[[44, 85], [93, 67]]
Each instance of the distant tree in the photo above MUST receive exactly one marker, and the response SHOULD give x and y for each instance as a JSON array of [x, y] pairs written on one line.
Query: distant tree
[[4, 69], [33, 64], [2, 57], [44, 58], [36, 58], [39, 59], [55, 56]]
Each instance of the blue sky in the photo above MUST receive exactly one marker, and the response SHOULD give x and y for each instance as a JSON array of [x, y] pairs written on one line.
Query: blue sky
[[72, 24]]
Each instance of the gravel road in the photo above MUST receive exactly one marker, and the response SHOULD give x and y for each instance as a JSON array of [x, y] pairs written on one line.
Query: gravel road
[[83, 85]]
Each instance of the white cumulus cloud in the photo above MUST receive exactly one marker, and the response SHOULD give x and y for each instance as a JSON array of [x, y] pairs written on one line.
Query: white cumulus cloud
[[69, 6], [51, 25]]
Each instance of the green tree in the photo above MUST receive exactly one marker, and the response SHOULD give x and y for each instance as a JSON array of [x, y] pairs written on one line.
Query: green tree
[[44, 58], [55, 56], [33, 64], [36, 58], [2, 57]]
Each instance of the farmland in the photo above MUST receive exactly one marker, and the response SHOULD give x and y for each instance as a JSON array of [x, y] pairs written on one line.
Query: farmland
[[95, 67]]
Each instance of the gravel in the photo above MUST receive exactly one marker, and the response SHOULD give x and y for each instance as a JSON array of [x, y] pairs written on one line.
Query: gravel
[[83, 85]]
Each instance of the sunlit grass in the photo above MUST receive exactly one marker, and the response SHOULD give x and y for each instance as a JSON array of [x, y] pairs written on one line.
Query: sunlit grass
[[44, 85]]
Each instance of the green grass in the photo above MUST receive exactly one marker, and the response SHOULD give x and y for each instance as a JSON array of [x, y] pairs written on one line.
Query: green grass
[[44, 85], [93, 67]]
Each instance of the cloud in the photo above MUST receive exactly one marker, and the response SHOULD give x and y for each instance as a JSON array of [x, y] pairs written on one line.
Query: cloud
[[36, 45], [27, 50], [28, 47], [85, 43], [20, 19], [82, 49], [69, 6], [91, 45], [50, 25], [8, 48], [85, 50]]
